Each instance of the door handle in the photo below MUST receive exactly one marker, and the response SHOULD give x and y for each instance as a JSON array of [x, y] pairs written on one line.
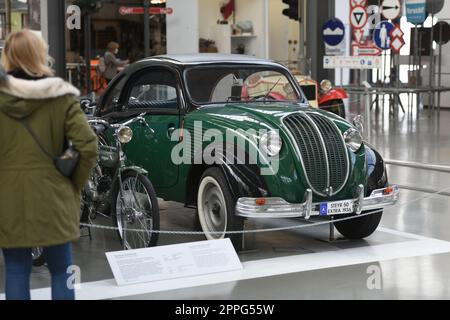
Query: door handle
[[170, 131]]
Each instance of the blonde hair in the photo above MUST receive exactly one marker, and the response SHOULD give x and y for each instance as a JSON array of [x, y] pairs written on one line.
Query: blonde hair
[[27, 51]]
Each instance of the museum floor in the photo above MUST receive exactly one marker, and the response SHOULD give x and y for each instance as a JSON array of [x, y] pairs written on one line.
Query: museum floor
[[411, 249]]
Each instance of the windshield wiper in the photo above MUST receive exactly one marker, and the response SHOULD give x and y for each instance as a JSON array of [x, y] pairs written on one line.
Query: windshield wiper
[[268, 93]]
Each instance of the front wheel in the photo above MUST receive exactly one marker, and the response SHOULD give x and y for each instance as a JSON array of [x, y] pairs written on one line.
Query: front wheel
[[359, 228], [136, 212], [216, 208]]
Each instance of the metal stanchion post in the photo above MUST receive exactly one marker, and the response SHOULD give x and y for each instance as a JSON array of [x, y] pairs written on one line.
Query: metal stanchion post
[[332, 237], [367, 104]]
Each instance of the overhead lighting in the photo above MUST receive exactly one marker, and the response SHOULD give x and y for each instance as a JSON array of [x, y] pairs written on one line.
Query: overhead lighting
[[157, 1]]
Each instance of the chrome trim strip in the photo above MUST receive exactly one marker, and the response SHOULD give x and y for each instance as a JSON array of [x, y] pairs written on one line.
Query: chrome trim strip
[[298, 153], [324, 147], [279, 208], [347, 158]]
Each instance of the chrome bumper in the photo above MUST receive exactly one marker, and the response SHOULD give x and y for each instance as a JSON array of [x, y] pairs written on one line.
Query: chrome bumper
[[279, 208]]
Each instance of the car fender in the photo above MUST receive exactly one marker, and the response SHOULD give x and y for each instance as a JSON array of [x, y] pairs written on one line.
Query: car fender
[[244, 179], [333, 94], [377, 177]]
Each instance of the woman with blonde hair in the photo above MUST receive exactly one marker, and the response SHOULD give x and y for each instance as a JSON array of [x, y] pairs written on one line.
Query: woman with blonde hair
[[39, 206]]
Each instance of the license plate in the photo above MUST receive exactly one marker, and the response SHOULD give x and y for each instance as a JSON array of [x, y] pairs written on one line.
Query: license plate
[[336, 208]]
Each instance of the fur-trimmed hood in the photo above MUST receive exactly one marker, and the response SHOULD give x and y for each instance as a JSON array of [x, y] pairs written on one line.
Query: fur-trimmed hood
[[15, 94]]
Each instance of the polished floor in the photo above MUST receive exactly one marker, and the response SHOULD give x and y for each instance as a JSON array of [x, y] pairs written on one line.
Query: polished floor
[[411, 252]]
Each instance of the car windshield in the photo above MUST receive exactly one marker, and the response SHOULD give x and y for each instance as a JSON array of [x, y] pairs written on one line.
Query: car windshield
[[222, 84]]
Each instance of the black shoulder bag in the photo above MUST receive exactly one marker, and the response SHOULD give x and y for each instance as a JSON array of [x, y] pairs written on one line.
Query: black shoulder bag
[[67, 162]]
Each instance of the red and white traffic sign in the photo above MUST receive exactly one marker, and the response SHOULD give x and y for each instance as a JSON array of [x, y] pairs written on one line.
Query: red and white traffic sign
[[397, 44], [358, 35], [391, 9], [369, 49], [358, 17], [397, 32], [362, 3], [140, 10]]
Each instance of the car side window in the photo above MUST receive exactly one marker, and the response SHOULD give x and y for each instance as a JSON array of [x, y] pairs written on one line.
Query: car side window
[[113, 97], [153, 89]]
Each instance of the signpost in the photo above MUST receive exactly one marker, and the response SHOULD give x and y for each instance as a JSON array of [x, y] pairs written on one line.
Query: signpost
[[416, 11], [391, 9], [358, 17], [359, 63], [369, 49], [362, 3], [333, 32], [382, 35], [140, 10]]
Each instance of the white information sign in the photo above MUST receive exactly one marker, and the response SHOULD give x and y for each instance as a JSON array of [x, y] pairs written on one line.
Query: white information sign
[[174, 261], [330, 62]]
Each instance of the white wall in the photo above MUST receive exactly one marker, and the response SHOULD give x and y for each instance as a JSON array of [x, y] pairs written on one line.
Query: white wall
[[281, 30], [253, 10], [209, 13], [183, 26]]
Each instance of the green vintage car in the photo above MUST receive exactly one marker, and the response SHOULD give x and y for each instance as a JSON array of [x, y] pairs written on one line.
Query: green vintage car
[[236, 146]]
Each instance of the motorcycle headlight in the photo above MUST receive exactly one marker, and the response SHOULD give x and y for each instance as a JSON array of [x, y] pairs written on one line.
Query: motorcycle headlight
[[326, 85], [125, 135], [353, 139], [271, 143]]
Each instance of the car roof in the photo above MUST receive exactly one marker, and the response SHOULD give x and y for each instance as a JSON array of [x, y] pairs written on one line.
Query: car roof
[[200, 58]]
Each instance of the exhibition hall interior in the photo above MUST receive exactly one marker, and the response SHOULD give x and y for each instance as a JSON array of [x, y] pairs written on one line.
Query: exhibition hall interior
[[224, 150]]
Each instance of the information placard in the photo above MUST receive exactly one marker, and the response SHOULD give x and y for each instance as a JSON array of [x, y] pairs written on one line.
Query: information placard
[[173, 261], [352, 62]]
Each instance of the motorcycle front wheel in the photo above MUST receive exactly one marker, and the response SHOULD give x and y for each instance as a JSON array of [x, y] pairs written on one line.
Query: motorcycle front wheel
[[136, 212]]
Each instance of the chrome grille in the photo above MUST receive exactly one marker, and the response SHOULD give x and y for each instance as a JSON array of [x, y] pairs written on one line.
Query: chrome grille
[[322, 151]]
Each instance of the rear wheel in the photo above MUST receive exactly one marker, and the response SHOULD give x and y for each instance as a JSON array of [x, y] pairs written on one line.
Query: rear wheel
[[216, 208], [359, 228], [136, 212]]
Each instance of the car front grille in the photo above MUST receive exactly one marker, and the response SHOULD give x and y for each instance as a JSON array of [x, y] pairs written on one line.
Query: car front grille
[[322, 151]]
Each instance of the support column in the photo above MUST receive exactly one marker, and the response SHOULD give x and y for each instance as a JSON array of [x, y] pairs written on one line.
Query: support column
[[317, 12], [53, 22], [146, 28]]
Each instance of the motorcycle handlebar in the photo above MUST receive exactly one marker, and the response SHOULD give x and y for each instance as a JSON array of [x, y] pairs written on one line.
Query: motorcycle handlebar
[[139, 118]]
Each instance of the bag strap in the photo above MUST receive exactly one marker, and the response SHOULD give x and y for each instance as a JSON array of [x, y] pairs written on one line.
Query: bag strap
[[35, 138]]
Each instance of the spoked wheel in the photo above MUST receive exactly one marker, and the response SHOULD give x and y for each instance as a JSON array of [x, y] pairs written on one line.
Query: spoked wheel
[[136, 212], [38, 256], [215, 206]]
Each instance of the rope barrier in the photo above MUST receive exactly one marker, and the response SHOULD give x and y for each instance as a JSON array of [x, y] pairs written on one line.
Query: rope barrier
[[264, 230]]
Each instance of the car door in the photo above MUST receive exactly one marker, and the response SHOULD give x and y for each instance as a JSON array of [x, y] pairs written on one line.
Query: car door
[[154, 90]]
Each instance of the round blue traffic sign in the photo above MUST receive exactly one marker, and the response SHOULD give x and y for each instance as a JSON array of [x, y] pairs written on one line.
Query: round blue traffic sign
[[382, 35], [333, 32]]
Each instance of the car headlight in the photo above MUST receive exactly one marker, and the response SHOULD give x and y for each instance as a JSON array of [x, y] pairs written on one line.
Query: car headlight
[[326, 85], [125, 135], [271, 143], [353, 139]]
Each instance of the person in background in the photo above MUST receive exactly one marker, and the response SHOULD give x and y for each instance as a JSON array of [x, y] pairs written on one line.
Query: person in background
[[113, 64], [39, 207]]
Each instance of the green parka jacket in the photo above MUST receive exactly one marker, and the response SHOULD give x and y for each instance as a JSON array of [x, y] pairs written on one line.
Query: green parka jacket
[[38, 205]]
